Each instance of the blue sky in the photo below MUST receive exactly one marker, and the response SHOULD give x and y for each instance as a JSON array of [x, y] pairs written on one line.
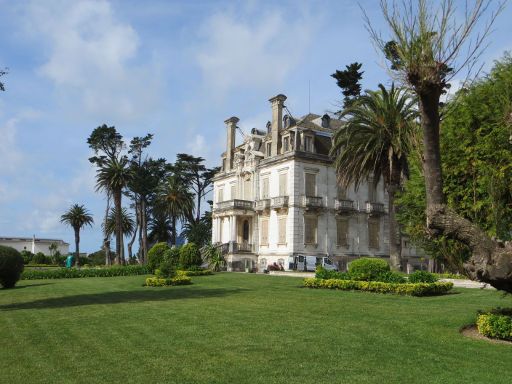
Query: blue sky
[[174, 69]]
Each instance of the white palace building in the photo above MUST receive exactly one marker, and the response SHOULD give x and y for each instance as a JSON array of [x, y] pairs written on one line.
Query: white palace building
[[276, 199]]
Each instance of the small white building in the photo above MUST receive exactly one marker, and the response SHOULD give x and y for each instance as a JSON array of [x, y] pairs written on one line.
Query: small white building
[[276, 198], [35, 245]]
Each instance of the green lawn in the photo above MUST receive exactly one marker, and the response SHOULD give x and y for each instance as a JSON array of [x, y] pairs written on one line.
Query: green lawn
[[240, 328]]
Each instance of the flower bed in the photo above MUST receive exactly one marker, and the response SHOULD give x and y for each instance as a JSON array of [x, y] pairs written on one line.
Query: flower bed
[[200, 272], [417, 289], [162, 282], [496, 324]]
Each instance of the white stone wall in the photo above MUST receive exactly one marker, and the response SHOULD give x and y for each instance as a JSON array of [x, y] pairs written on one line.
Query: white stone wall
[[40, 245]]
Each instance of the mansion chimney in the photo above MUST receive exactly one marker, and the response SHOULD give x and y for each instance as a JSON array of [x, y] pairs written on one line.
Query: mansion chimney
[[231, 127], [277, 121]]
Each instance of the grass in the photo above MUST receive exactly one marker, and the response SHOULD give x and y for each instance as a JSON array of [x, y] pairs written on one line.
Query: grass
[[240, 328]]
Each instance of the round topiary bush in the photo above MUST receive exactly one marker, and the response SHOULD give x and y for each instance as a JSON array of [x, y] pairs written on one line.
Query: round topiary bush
[[190, 256], [156, 255], [368, 268], [11, 266]]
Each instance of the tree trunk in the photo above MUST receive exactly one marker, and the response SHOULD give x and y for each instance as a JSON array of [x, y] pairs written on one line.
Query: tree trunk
[[119, 218], [173, 231], [137, 225], [144, 216], [77, 247], [394, 237], [491, 261], [106, 242]]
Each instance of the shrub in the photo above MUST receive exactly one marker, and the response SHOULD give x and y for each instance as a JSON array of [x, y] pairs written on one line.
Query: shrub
[[422, 277], [27, 256], [69, 273], [367, 268], [495, 325], [166, 269], [162, 282], [172, 255], [40, 258], [11, 266], [419, 289], [190, 256], [201, 272], [391, 277], [156, 255], [322, 273]]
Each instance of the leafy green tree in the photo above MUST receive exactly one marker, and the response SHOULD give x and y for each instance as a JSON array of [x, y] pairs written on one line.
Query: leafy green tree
[[376, 140], [77, 217], [349, 81], [214, 257], [192, 172], [200, 232], [160, 227], [127, 223], [107, 144], [112, 177], [176, 201]]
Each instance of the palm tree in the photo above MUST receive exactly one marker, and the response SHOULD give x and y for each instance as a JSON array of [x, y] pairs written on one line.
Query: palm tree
[[77, 217], [160, 227], [177, 202], [127, 223], [112, 177], [376, 140]]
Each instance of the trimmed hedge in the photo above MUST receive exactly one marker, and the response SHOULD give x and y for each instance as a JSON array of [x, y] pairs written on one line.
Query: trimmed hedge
[[65, 273], [494, 325], [202, 272], [419, 289], [368, 268], [422, 277], [162, 282]]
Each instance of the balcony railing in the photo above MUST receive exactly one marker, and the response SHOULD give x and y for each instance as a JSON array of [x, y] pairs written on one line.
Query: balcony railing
[[374, 208], [242, 247], [344, 205], [234, 247], [313, 201], [235, 204], [279, 202], [263, 204]]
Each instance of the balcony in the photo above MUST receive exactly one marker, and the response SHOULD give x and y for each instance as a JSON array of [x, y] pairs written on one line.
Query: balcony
[[279, 202], [374, 209], [235, 204], [312, 202], [261, 205], [234, 247], [344, 205]]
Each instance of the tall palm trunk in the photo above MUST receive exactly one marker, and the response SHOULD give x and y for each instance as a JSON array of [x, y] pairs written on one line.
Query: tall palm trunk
[[106, 243], [137, 225], [119, 228], [77, 246], [144, 221], [173, 230], [395, 246]]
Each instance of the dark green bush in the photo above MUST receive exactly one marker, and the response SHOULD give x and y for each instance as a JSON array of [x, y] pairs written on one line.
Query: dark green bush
[[368, 268], [40, 258], [156, 255], [422, 277], [322, 273], [172, 255], [167, 269], [65, 273], [419, 289], [391, 277], [190, 256], [27, 256], [11, 266]]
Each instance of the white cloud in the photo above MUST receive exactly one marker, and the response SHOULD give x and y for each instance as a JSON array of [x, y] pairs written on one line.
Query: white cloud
[[255, 52], [92, 58]]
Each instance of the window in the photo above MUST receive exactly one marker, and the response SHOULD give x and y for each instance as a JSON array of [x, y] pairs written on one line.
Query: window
[[342, 232], [269, 149], [264, 231], [310, 184], [308, 141], [373, 233], [264, 188], [310, 226], [248, 189], [286, 144], [283, 184], [233, 191], [282, 229], [220, 195], [342, 193]]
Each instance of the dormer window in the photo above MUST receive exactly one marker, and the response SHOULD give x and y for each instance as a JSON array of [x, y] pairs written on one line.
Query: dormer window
[[326, 121]]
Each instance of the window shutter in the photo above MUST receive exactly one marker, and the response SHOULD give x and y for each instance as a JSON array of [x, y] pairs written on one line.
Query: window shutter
[[310, 184], [283, 185], [373, 233], [264, 231], [264, 193], [282, 230], [310, 224], [248, 189], [342, 230]]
